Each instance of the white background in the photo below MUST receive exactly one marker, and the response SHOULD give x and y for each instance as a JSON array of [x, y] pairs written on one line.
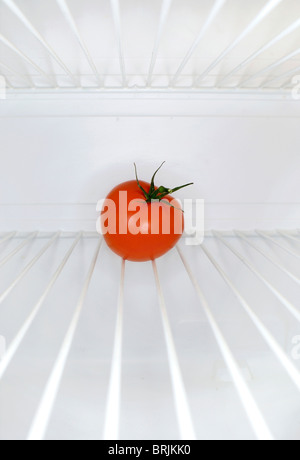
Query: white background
[[241, 152]]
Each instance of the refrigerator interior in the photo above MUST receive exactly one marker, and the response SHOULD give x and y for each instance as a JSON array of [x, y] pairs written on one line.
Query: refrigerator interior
[[203, 343]]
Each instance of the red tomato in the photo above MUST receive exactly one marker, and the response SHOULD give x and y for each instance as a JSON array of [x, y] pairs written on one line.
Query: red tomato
[[158, 224]]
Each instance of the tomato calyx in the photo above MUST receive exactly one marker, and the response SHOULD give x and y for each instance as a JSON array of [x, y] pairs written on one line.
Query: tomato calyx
[[157, 194]]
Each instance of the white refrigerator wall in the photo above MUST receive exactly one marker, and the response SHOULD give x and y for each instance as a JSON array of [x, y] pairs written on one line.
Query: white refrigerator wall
[[60, 155]]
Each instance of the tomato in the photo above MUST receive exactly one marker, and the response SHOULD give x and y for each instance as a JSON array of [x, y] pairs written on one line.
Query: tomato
[[138, 227]]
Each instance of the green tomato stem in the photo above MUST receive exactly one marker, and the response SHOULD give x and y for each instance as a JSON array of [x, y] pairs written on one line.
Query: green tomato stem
[[161, 191]]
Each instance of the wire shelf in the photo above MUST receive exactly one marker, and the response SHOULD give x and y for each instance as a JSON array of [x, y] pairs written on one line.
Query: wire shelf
[[185, 45], [201, 344]]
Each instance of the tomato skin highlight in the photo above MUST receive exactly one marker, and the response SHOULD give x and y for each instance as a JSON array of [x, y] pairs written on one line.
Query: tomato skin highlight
[[154, 238]]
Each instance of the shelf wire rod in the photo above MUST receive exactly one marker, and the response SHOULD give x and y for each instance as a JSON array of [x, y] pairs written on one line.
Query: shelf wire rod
[[289, 237], [276, 348], [268, 69], [284, 76], [25, 21], [7, 85], [72, 24], [28, 267], [268, 257], [7, 237], [113, 406], [16, 74], [165, 8], [18, 248], [16, 342], [218, 4], [20, 53], [184, 417], [283, 300], [287, 31], [115, 5], [281, 246], [42, 417], [266, 10], [254, 414]]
